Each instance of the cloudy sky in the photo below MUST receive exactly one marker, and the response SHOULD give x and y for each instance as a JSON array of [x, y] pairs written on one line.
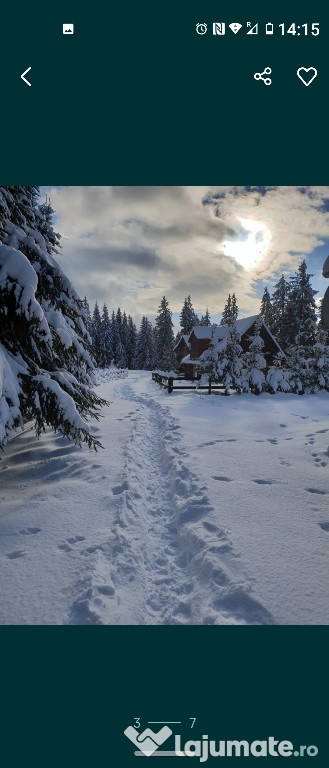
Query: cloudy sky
[[128, 246]]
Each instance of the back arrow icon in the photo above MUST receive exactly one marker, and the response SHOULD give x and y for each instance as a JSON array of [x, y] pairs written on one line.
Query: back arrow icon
[[25, 73]]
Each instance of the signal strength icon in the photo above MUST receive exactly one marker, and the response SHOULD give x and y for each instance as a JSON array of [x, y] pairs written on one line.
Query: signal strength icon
[[253, 30], [235, 27]]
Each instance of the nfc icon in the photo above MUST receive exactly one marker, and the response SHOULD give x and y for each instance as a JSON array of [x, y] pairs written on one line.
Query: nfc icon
[[218, 28]]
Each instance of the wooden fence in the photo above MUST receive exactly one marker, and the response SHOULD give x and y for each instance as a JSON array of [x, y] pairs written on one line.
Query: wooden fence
[[168, 383]]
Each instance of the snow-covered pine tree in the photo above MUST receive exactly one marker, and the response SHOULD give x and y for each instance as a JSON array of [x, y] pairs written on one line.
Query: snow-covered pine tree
[[226, 315], [87, 317], [45, 361], [115, 338], [121, 357], [131, 343], [266, 310], [230, 311], [44, 218], [124, 331], [234, 309], [140, 345], [106, 349], [154, 336], [254, 363], [300, 315], [144, 347], [211, 360], [299, 365], [320, 362], [230, 364], [118, 318], [164, 347], [205, 319], [188, 318], [321, 324], [96, 335], [119, 352], [279, 307], [278, 376]]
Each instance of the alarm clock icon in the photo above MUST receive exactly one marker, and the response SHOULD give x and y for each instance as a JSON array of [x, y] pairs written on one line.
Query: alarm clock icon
[[201, 29]]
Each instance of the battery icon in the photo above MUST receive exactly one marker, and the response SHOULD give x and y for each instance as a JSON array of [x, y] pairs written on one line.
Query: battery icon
[[269, 29]]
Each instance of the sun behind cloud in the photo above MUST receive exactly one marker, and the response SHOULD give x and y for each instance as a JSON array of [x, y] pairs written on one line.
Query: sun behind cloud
[[252, 249]]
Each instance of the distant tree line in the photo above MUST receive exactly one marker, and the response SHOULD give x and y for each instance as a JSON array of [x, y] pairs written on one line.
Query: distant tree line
[[116, 341]]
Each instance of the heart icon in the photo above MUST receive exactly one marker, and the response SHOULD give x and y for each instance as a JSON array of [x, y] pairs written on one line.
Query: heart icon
[[307, 75]]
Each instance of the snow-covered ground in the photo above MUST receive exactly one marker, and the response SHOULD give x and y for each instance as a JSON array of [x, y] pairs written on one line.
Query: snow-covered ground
[[199, 510]]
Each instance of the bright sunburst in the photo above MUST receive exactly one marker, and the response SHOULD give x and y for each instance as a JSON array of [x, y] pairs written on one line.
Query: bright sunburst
[[251, 251]]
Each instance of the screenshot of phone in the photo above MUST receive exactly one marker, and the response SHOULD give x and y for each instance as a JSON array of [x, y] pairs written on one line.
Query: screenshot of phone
[[164, 381]]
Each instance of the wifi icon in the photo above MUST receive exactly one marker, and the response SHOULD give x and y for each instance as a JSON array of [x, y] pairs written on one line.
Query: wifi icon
[[235, 27]]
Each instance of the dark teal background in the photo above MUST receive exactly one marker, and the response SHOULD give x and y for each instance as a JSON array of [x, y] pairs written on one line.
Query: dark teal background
[[69, 693], [136, 97]]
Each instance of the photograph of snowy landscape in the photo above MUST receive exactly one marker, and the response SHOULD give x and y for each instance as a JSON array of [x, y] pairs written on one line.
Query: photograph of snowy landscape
[[164, 405]]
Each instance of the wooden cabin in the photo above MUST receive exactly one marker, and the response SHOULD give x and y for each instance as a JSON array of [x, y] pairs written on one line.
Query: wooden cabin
[[201, 337], [181, 349]]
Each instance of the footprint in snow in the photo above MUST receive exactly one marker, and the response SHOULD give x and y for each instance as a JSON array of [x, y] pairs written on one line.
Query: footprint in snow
[[91, 550], [263, 482], [64, 548], [316, 490], [178, 451], [16, 555], [120, 488], [75, 539], [222, 478], [107, 589], [30, 531], [210, 527], [324, 526], [183, 609], [213, 442]]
